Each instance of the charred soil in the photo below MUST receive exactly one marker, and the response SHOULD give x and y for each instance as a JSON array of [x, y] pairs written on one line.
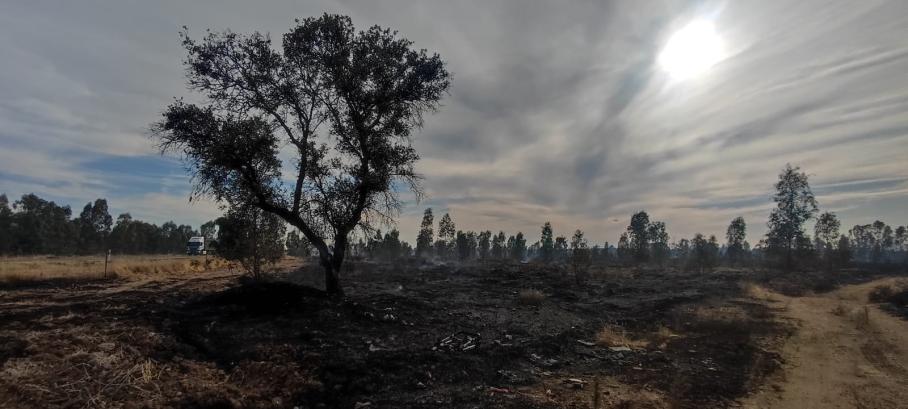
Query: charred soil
[[406, 336]]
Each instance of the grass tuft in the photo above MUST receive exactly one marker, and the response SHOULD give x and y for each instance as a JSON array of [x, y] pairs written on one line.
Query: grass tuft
[[530, 297]]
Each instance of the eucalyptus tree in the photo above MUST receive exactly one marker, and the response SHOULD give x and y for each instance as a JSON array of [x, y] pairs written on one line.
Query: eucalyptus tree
[[826, 235], [499, 246], [736, 244], [425, 237], [547, 243], [445, 244], [795, 205], [638, 234]]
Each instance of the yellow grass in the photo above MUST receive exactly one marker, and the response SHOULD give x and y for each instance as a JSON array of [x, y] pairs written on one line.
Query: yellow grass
[[756, 291], [37, 268], [615, 336], [530, 297]]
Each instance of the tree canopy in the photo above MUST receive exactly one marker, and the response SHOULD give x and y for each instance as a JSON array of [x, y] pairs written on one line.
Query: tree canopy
[[341, 104]]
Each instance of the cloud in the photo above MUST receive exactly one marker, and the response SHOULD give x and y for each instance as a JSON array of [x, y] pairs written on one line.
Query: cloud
[[557, 111]]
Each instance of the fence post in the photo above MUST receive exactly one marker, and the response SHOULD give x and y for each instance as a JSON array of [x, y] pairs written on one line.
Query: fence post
[[106, 261]]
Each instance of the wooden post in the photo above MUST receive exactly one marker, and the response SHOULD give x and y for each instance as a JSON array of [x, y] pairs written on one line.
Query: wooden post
[[106, 261], [596, 396]]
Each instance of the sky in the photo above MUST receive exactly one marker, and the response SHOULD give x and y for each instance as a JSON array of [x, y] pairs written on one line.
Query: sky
[[558, 111]]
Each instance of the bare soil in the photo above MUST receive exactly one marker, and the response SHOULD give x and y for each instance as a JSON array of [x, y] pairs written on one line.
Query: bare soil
[[406, 336], [846, 353]]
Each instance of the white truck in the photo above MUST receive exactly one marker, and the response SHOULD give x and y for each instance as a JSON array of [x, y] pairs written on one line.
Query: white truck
[[196, 246]]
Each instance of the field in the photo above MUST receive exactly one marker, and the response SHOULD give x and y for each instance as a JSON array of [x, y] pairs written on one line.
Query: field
[[41, 269], [410, 335]]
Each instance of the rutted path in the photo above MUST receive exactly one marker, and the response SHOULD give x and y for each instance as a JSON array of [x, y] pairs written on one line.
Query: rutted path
[[846, 353]]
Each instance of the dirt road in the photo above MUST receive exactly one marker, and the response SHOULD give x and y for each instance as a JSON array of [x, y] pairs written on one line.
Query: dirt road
[[846, 353]]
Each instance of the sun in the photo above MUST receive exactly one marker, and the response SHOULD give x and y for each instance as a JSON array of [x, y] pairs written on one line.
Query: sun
[[692, 50]]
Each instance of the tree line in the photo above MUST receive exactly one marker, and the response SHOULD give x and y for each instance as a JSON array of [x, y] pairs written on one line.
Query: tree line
[[32, 225], [787, 244]]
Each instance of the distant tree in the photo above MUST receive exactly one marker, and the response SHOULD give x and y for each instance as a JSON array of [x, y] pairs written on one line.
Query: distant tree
[[473, 242], [638, 234], [580, 254], [484, 244], [94, 224], [826, 234], [682, 252], [712, 252], [517, 247], [600, 254], [871, 242], [343, 101], [446, 236], [901, 242], [623, 251], [843, 252], [863, 241], [735, 236], [499, 246], [561, 249], [658, 237], [6, 226], [426, 237], [547, 244], [297, 245], [375, 246], [795, 205], [209, 230], [703, 252], [392, 248], [252, 237], [466, 245], [901, 237], [43, 227]]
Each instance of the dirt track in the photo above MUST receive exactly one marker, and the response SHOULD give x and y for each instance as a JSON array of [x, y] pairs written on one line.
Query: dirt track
[[846, 353]]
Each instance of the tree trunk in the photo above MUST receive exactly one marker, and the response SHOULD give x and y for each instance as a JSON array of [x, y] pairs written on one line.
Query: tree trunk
[[332, 271], [332, 282]]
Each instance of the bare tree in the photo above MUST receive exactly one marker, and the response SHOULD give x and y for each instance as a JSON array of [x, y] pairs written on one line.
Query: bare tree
[[343, 102]]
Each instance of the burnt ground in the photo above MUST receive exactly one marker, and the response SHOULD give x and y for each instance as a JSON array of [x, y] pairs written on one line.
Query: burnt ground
[[406, 336]]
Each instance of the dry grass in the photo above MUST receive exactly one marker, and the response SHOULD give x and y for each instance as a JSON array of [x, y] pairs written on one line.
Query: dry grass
[[616, 336], [861, 318], [530, 297], [39, 268], [895, 292], [839, 310], [756, 292]]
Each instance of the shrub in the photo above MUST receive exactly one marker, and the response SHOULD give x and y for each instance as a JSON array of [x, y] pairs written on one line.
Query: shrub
[[881, 294], [615, 336]]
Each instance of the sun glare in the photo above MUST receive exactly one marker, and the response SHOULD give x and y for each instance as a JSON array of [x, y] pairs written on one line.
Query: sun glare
[[692, 50]]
